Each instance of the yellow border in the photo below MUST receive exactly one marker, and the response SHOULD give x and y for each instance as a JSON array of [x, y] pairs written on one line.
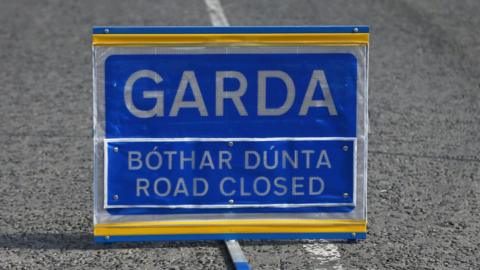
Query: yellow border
[[229, 39], [230, 226]]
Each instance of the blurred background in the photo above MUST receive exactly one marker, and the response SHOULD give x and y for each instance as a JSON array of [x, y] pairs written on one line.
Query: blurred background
[[424, 151]]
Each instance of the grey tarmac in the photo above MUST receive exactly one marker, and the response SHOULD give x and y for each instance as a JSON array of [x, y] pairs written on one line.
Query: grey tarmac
[[424, 149]]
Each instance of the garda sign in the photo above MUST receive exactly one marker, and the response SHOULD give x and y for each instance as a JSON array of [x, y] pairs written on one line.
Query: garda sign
[[230, 133]]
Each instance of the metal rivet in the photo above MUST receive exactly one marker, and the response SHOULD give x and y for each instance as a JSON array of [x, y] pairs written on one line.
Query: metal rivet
[[231, 201], [345, 148], [107, 237], [115, 149], [354, 235], [115, 197], [355, 30], [106, 31], [346, 195], [230, 144]]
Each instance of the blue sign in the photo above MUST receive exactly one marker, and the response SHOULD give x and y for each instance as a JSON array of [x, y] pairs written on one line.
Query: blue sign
[[203, 133], [231, 95], [220, 174]]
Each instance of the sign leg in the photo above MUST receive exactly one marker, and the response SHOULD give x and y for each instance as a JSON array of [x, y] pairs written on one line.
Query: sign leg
[[238, 258]]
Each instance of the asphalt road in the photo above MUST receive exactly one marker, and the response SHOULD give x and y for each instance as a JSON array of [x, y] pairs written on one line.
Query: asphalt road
[[424, 152]]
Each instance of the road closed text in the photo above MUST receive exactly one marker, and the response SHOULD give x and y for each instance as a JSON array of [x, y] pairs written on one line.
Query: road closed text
[[229, 185], [178, 173]]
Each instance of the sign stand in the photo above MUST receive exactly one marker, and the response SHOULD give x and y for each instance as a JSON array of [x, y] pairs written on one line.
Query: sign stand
[[238, 258], [218, 133]]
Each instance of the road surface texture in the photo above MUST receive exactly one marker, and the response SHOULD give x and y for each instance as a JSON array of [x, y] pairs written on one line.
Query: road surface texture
[[424, 152]]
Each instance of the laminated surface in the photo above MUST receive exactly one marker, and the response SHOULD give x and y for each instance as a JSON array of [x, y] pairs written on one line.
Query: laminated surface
[[221, 132]]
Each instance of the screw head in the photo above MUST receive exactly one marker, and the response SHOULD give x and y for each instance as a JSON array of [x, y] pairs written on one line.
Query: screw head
[[345, 148], [115, 197], [355, 30], [230, 144], [354, 235], [107, 237], [231, 201], [346, 195], [115, 149], [106, 30]]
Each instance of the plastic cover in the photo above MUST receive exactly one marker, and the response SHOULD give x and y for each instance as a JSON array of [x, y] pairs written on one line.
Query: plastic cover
[[109, 136]]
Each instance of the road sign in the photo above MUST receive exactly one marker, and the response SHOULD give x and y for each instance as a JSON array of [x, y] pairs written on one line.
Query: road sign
[[229, 133]]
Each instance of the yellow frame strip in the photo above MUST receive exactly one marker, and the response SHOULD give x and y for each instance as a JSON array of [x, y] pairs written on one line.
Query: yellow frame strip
[[229, 39], [230, 226]]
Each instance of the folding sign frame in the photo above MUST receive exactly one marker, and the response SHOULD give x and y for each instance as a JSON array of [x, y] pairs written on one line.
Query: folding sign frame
[[341, 52]]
